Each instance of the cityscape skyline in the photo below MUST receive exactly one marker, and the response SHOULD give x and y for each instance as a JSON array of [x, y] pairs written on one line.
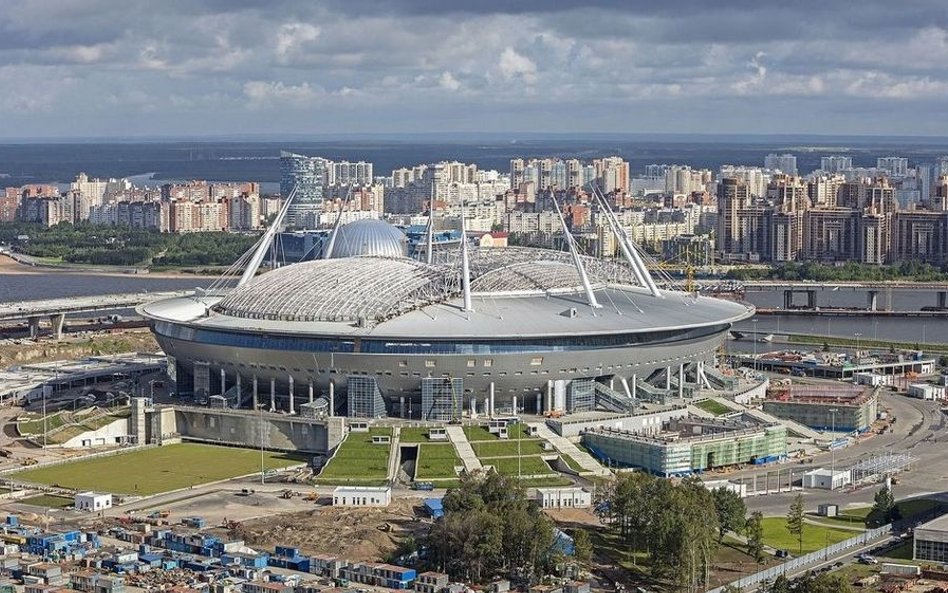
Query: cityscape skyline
[[210, 69]]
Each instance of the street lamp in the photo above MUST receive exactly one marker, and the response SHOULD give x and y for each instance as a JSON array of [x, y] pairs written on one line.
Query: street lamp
[[857, 334], [833, 445]]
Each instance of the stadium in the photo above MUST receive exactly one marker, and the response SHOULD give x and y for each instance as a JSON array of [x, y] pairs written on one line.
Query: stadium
[[366, 331]]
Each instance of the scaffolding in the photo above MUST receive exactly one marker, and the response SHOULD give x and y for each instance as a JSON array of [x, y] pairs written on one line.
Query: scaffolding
[[442, 398], [364, 398], [878, 466]]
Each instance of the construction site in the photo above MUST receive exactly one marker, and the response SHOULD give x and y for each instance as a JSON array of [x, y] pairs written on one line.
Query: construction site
[[833, 407]]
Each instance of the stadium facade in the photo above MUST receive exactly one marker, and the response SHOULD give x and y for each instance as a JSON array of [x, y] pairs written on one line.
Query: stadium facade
[[368, 331]]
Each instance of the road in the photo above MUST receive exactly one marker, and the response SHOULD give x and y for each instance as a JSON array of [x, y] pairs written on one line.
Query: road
[[920, 430]]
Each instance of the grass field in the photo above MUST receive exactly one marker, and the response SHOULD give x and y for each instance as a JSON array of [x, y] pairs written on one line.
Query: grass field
[[479, 433], [35, 426], [527, 465], [358, 462], [712, 407], [413, 434], [159, 469], [507, 448], [436, 461], [815, 537], [572, 463], [48, 501]]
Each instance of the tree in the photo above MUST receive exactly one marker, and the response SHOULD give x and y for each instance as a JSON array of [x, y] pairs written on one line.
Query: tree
[[754, 530], [781, 584], [582, 546], [795, 519], [883, 505], [731, 511]]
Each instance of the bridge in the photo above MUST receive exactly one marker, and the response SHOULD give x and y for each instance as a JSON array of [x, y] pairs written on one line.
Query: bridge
[[57, 309], [810, 289]]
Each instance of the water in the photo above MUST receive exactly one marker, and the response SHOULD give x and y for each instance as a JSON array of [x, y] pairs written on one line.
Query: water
[[28, 287]]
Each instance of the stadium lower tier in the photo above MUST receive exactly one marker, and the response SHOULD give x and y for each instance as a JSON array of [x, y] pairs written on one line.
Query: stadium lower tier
[[376, 377]]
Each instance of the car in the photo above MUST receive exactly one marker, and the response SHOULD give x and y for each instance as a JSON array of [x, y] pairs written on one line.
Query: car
[[867, 559]]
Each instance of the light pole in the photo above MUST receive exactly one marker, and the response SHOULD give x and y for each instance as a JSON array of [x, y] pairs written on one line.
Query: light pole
[[857, 334], [755, 344], [262, 464], [833, 446]]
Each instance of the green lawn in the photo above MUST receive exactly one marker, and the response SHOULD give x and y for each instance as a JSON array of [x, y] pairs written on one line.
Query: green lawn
[[48, 501], [815, 537], [508, 448], [436, 461], [712, 407], [35, 426], [530, 465], [159, 469], [414, 434], [572, 463], [479, 433], [358, 461], [920, 508]]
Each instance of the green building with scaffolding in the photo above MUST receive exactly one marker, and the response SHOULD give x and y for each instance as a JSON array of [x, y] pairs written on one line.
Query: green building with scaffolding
[[689, 445]]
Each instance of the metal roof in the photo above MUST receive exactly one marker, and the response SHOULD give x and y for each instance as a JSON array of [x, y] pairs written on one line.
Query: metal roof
[[369, 237]]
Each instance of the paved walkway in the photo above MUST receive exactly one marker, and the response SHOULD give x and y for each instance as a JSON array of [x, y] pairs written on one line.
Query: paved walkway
[[565, 446], [394, 455], [463, 447]]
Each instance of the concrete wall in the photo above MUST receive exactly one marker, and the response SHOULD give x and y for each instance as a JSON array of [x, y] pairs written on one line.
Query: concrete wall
[[108, 435], [243, 428]]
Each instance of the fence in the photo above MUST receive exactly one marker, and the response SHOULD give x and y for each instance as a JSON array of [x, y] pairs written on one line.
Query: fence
[[795, 564]]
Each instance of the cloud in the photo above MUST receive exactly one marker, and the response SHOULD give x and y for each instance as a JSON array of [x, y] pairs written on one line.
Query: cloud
[[729, 66], [514, 65]]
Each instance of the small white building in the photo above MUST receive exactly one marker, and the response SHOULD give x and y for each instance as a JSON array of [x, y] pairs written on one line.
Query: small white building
[[873, 379], [362, 496], [926, 391], [563, 498], [92, 501], [827, 479], [737, 488]]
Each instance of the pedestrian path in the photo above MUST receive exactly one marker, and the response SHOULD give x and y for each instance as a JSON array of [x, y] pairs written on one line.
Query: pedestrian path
[[567, 447], [463, 447]]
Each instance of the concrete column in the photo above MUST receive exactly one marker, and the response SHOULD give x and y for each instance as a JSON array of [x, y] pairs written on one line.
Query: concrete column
[[57, 322], [668, 378], [332, 397], [473, 406], [539, 403], [238, 389], [634, 381], [942, 299], [34, 326], [486, 407], [492, 401], [255, 402], [872, 300], [311, 391], [788, 299], [515, 404], [273, 389], [811, 299], [223, 381], [681, 380], [401, 406], [292, 395], [549, 395]]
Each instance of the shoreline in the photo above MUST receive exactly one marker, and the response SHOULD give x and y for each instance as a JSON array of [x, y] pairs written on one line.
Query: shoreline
[[10, 266]]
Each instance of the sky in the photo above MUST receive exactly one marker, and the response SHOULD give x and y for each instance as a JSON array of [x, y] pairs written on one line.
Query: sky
[[128, 68]]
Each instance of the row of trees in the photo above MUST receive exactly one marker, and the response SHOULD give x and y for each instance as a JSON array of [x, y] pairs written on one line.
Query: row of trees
[[679, 526], [848, 272], [491, 528], [123, 246]]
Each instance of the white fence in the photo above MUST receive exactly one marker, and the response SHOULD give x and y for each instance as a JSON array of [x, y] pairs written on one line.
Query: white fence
[[794, 564]]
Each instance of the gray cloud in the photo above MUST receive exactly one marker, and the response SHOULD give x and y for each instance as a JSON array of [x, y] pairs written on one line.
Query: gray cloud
[[74, 67]]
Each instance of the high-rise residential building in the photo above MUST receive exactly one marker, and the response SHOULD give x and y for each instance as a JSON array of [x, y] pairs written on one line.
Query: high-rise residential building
[[830, 235], [783, 163], [836, 163], [895, 166], [923, 181], [823, 190], [346, 173], [941, 166], [939, 201], [920, 236], [755, 178], [308, 175], [733, 197]]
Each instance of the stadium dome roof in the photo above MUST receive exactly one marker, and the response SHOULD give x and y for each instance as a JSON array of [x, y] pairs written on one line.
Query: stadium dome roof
[[369, 237], [356, 289]]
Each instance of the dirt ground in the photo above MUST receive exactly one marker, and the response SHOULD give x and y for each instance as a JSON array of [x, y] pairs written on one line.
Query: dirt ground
[[73, 347], [362, 534]]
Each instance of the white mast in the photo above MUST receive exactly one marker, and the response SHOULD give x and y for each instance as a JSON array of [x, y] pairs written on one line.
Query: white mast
[[629, 249], [577, 260], [327, 253], [430, 232], [465, 265], [266, 241]]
